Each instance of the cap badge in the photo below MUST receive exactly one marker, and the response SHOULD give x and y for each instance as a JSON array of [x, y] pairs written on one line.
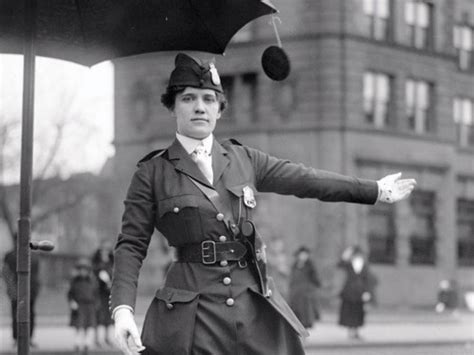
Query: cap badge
[[249, 197], [214, 75]]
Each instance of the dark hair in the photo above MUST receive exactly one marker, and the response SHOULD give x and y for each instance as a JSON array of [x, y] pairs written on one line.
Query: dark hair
[[357, 250], [168, 98]]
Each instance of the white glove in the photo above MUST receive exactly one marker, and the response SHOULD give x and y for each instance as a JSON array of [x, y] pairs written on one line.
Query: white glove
[[393, 189], [125, 328]]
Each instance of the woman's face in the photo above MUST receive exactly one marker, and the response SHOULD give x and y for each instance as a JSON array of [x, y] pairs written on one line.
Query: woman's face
[[196, 112], [303, 256]]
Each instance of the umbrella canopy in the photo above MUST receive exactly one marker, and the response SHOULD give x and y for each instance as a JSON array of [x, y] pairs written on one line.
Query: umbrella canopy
[[91, 31]]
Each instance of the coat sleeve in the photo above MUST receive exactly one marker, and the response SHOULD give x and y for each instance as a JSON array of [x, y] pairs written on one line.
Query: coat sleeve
[[134, 238], [287, 178]]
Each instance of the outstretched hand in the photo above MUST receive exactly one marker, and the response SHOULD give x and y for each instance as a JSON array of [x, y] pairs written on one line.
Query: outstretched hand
[[393, 189]]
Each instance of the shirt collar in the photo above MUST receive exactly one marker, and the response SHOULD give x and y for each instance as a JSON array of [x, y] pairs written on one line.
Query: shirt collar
[[190, 144]]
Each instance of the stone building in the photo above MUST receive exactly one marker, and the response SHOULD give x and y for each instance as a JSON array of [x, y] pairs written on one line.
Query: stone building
[[376, 86]]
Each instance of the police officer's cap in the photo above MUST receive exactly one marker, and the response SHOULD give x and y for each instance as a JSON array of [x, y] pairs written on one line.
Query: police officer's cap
[[193, 72]]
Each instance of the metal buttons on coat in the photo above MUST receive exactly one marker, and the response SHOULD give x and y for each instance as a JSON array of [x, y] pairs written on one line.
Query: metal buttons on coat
[[222, 238], [169, 306], [230, 302], [224, 263], [176, 209], [226, 280], [269, 294], [220, 217]]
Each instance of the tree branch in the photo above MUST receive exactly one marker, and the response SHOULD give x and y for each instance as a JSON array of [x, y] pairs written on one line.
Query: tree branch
[[38, 185], [70, 203]]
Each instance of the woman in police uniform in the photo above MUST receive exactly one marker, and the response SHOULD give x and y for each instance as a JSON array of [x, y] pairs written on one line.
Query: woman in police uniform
[[200, 194]]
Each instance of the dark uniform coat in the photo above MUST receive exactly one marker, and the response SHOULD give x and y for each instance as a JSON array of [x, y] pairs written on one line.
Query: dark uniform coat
[[214, 309]]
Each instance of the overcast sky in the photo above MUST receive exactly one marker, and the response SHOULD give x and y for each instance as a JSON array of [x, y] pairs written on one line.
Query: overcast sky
[[81, 96]]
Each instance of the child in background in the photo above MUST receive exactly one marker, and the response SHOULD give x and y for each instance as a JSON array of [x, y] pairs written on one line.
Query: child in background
[[82, 297]]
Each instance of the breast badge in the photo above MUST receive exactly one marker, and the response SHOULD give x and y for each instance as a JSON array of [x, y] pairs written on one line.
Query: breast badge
[[249, 197]]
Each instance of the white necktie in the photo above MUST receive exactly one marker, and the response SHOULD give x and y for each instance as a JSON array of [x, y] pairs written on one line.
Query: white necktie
[[203, 160]]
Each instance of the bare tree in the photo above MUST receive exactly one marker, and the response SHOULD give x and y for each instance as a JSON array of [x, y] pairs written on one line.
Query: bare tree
[[47, 167]]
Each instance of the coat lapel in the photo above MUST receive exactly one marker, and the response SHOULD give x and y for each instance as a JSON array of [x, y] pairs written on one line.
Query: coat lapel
[[182, 162], [220, 161]]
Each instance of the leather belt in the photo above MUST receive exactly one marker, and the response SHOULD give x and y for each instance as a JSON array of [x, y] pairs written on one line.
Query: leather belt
[[209, 252]]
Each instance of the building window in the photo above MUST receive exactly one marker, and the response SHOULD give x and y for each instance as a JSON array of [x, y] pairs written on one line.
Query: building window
[[381, 234], [465, 222], [463, 42], [248, 90], [377, 15], [141, 98], [227, 82], [423, 238], [377, 98], [418, 17], [418, 102], [241, 94], [463, 115]]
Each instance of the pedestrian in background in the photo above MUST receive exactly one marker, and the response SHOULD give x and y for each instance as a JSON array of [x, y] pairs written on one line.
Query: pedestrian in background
[[200, 194], [83, 302], [11, 281], [304, 281], [448, 297], [355, 292], [102, 266]]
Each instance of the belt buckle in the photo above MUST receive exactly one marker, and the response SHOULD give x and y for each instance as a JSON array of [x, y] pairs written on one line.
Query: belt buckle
[[208, 252]]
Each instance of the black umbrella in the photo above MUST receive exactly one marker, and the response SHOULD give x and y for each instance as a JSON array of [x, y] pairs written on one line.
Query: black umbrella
[[91, 31]]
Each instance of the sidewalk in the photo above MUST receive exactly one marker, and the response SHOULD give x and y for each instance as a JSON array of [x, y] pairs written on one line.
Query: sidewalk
[[405, 327], [385, 328]]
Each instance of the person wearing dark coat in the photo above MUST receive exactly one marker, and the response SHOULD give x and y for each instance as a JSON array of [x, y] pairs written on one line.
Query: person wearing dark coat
[[356, 291], [83, 303], [102, 266], [200, 194], [11, 281], [448, 298], [304, 281]]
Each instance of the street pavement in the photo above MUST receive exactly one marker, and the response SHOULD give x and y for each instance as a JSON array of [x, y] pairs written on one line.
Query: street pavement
[[405, 328]]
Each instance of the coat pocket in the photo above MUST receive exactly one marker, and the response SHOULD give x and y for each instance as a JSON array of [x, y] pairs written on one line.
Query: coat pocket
[[169, 322], [179, 217]]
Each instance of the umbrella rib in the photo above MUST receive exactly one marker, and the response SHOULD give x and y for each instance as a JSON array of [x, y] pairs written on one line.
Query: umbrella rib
[[206, 26]]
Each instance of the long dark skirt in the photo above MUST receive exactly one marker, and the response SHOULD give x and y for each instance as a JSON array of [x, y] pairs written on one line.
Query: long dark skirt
[[186, 322], [351, 314]]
